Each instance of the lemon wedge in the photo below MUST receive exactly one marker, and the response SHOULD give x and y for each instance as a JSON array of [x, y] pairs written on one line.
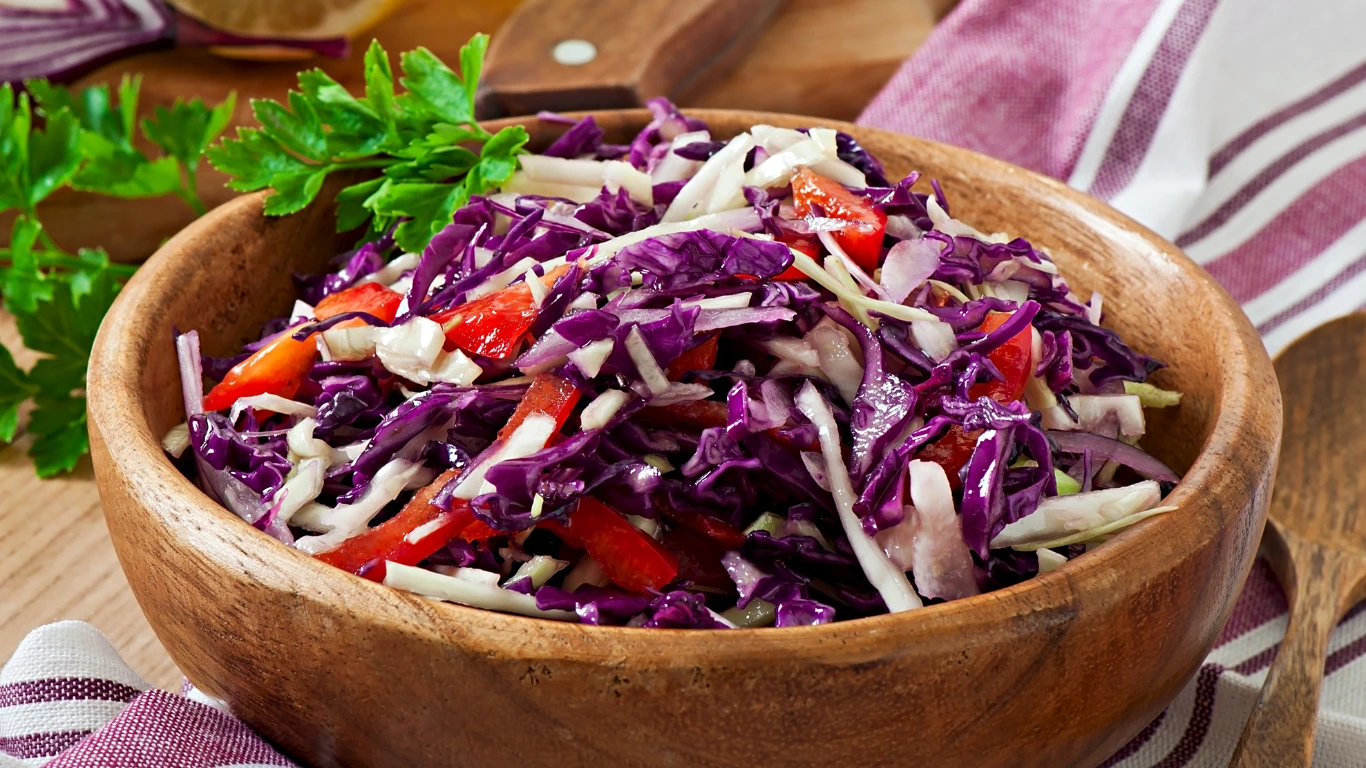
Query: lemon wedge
[[298, 19]]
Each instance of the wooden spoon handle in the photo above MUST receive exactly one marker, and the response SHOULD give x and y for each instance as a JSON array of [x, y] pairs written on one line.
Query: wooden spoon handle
[[1321, 583], [637, 49]]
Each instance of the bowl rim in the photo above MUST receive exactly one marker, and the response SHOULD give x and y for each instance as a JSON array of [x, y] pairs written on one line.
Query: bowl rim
[[1238, 412]]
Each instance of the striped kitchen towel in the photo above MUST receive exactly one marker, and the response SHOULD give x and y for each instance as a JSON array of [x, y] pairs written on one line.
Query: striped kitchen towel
[[68, 700], [1236, 128]]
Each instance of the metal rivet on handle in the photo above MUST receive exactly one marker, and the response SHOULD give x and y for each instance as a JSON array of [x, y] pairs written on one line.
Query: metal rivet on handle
[[574, 52]]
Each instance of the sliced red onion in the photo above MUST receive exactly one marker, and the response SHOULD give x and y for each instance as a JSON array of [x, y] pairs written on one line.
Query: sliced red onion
[[60, 41], [1109, 449]]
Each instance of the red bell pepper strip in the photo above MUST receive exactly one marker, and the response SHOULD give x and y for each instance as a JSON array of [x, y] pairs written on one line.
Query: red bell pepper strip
[[560, 529], [807, 244], [695, 413], [721, 532], [371, 298], [493, 325], [549, 395], [630, 558], [953, 450], [700, 358], [365, 554], [699, 560], [862, 238], [1011, 359], [278, 368]]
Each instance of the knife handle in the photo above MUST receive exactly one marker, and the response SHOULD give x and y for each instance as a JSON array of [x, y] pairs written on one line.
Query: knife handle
[[635, 50]]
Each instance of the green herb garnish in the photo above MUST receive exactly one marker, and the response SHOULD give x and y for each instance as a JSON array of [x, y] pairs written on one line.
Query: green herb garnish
[[82, 139], [432, 152]]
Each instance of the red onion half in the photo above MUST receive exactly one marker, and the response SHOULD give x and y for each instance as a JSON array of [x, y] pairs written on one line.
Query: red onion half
[[61, 39]]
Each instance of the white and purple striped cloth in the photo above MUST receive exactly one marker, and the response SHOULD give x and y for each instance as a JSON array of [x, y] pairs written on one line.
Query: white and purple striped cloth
[[68, 700], [1236, 128]]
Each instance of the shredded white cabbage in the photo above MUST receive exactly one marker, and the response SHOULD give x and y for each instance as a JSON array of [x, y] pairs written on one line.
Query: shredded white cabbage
[[1096, 535], [646, 364], [780, 166], [1095, 412], [521, 184], [698, 192], [491, 597], [271, 403], [390, 273], [302, 487], [838, 362], [1050, 560], [675, 168], [1038, 395], [935, 337], [1059, 516], [539, 569], [529, 437], [586, 571], [409, 350], [346, 520], [176, 440], [889, 581], [351, 344], [598, 413], [590, 357]]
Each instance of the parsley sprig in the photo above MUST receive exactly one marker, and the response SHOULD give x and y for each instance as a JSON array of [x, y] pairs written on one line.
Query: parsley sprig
[[52, 137], [432, 152]]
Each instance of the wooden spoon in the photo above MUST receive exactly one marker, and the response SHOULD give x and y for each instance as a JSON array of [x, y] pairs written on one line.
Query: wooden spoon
[[1316, 539]]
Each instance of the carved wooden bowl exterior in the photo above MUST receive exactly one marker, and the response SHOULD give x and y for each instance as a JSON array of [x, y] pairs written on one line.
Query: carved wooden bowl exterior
[[338, 671]]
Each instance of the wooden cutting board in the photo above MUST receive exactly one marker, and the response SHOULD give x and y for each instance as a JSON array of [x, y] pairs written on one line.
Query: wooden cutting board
[[819, 57]]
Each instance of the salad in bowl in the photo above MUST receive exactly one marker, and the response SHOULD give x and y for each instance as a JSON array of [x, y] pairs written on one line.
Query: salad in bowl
[[684, 382]]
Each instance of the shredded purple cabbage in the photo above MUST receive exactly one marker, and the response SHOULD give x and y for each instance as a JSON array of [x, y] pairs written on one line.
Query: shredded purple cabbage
[[678, 359]]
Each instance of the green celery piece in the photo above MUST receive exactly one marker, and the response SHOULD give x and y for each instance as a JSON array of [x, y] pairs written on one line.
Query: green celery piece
[[767, 522], [1152, 397], [1066, 485]]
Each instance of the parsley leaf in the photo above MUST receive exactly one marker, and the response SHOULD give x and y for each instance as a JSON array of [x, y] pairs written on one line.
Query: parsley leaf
[[185, 129], [15, 388], [24, 283], [63, 330], [433, 154], [52, 137], [61, 439]]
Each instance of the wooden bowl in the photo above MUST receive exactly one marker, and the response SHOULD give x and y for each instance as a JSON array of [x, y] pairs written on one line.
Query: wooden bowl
[[338, 671]]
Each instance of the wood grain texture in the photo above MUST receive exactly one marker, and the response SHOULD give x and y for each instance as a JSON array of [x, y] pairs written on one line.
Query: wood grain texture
[[1317, 536], [308, 654], [645, 48], [816, 57]]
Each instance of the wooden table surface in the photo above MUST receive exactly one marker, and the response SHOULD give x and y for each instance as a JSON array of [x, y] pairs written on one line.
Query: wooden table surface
[[817, 57]]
